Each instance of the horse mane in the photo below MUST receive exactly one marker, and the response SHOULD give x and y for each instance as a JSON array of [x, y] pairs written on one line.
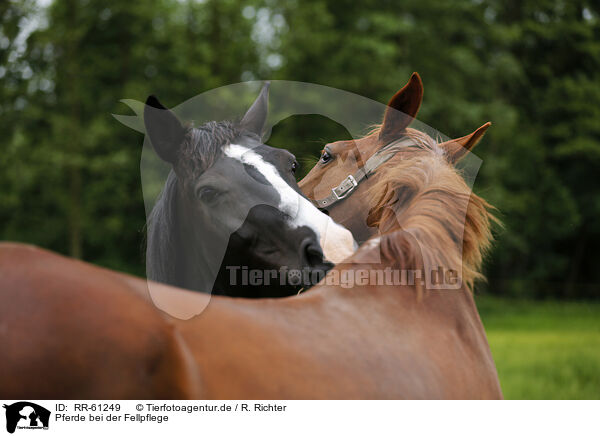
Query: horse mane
[[203, 145], [427, 214], [201, 148]]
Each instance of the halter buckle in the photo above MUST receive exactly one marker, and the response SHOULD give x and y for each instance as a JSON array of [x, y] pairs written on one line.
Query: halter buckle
[[345, 188]]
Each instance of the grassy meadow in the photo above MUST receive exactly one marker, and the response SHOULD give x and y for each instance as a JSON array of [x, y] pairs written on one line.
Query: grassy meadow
[[544, 349]]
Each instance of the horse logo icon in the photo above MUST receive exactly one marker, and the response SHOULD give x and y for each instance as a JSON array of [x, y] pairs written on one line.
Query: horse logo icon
[[26, 415]]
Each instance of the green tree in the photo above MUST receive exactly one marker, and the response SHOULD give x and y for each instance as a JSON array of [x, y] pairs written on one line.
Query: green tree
[[73, 172]]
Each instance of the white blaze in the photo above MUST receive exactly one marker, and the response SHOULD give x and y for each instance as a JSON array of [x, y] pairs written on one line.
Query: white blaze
[[336, 241]]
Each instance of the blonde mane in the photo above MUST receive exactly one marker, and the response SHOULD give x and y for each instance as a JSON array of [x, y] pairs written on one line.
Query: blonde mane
[[427, 215]]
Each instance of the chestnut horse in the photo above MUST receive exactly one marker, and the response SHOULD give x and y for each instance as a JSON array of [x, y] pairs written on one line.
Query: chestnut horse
[[74, 330], [412, 191]]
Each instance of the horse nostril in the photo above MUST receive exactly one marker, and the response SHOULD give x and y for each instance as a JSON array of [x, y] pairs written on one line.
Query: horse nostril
[[311, 253]]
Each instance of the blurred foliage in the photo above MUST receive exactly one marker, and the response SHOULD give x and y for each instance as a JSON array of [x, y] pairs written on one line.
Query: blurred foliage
[[69, 173]]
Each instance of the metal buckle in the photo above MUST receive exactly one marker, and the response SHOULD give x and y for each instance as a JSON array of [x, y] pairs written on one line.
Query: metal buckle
[[345, 188]]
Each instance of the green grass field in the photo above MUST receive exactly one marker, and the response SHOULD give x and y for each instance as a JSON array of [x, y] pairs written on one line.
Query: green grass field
[[544, 350]]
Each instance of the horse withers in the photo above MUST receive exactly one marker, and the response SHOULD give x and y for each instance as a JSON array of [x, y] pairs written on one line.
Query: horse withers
[[231, 205]]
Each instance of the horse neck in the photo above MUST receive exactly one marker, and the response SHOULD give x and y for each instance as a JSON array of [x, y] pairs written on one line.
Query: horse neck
[[391, 306], [173, 257], [404, 307], [429, 218], [200, 251]]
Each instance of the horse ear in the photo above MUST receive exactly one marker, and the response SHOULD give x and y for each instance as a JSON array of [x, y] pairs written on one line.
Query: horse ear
[[402, 109], [165, 131], [456, 149], [255, 118]]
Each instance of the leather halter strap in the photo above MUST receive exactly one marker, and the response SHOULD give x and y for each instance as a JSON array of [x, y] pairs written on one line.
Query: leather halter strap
[[350, 183]]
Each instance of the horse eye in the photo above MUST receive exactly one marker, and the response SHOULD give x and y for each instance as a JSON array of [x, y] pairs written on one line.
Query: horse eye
[[207, 194], [326, 157], [294, 167]]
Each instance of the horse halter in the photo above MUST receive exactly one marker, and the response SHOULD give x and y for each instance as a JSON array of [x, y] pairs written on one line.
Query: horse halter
[[350, 183]]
